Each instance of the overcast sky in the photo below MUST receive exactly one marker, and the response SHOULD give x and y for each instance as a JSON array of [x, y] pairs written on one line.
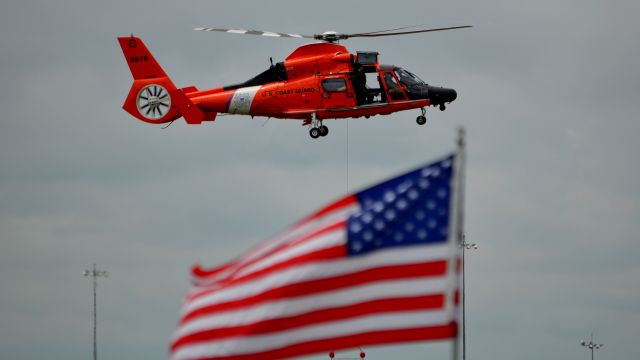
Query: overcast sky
[[547, 90]]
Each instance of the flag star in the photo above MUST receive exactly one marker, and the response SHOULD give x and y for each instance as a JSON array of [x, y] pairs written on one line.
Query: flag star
[[378, 206], [367, 217], [431, 205], [432, 224], [404, 186], [389, 196], [435, 172], [398, 237], [442, 193], [426, 172], [413, 194], [401, 204], [367, 236], [390, 214], [422, 234], [420, 214], [356, 246], [356, 227], [423, 184], [446, 164]]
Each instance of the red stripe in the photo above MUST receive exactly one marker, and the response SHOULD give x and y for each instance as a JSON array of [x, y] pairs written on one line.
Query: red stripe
[[351, 341], [405, 271], [336, 206], [291, 244], [336, 252], [315, 317], [197, 271]]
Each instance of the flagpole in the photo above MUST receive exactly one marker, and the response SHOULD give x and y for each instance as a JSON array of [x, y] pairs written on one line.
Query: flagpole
[[460, 228]]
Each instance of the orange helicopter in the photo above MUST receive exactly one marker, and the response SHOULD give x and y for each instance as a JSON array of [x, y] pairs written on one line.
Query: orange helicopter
[[318, 81]]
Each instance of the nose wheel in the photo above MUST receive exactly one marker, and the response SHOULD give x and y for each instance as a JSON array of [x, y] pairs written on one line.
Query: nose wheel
[[421, 120]]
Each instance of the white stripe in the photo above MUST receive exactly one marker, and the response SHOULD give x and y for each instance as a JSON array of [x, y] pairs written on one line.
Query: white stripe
[[286, 308], [255, 344], [266, 33], [242, 99], [237, 31], [289, 235], [306, 227], [324, 241], [389, 257]]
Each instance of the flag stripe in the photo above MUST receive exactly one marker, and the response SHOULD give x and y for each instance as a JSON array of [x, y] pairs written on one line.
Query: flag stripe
[[332, 253], [323, 238], [305, 229], [422, 286], [327, 284], [318, 316], [321, 270], [259, 344], [342, 342]]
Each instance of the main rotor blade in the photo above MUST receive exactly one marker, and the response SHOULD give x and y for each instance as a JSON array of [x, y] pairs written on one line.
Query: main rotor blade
[[378, 33], [255, 32], [396, 29]]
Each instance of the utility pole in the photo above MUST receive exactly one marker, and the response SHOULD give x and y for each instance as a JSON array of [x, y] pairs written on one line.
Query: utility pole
[[591, 345], [95, 273]]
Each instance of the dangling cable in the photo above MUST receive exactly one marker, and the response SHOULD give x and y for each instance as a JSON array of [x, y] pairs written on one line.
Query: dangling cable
[[169, 124], [347, 155]]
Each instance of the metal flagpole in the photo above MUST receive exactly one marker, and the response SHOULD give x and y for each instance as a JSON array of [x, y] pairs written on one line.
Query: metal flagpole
[[460, 154], [94, 274]]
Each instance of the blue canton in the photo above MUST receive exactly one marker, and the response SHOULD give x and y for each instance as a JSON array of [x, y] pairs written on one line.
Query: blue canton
[[411, 209]]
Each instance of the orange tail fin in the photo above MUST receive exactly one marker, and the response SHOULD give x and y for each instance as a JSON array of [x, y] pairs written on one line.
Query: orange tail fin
[[153, 97]]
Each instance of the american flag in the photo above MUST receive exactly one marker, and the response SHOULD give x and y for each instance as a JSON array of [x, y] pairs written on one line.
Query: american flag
[[376, 267]]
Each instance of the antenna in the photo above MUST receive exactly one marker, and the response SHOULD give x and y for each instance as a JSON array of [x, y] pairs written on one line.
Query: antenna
[[95, 273]]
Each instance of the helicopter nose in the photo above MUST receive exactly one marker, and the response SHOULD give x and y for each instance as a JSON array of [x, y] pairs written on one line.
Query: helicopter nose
[[441, 95]]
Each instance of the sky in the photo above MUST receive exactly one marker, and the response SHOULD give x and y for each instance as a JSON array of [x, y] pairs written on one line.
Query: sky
[[547, 93]]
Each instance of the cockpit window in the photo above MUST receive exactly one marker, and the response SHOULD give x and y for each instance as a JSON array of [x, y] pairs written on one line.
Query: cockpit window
[[406, 78], [390, 80], [334, 85]]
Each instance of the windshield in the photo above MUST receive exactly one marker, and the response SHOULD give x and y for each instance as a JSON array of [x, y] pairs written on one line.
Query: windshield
[[406, 78]]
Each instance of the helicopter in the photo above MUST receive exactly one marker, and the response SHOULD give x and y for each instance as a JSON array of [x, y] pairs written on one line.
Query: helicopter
[[316, 82]]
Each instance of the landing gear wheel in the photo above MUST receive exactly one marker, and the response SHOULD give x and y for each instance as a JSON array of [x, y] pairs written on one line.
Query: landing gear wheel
[[323, 130], [421, 120], [443, 107], [314, 133]]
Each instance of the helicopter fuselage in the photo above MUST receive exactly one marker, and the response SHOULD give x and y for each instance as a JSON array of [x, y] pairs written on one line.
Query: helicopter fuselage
[[316, 82]]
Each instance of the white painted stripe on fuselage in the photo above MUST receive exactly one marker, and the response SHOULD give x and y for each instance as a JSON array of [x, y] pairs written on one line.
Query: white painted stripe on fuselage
[[242, 99]]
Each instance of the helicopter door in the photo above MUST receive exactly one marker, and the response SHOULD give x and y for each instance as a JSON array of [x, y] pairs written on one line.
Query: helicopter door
[[336, 92], [394, 91]]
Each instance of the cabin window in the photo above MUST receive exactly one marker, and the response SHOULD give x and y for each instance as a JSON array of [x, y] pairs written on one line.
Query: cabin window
[[334, 85]]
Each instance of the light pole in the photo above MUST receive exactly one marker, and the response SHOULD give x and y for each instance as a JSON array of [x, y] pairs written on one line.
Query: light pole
[[591, 345], [95, 273], [465, 246]]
